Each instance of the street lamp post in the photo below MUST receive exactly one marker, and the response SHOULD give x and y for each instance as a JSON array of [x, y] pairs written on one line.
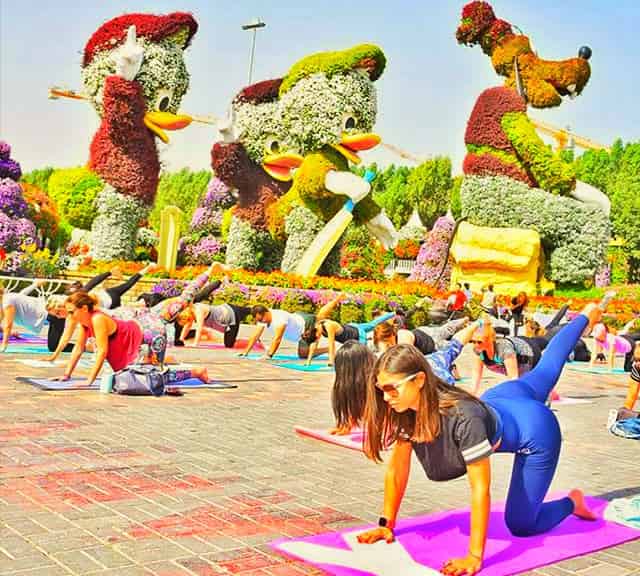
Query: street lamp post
[[253, 25]]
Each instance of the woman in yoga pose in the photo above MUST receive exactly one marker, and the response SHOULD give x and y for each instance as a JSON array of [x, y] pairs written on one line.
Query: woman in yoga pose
[[61, 330], [354, 365], [427, 339], [453, 433], [140, 338]]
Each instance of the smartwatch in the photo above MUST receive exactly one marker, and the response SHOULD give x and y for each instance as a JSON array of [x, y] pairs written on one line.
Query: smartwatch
[[382, 522]]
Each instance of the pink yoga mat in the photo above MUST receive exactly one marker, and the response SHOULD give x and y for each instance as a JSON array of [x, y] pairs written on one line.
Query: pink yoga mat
[[353, 440], [428, 541]]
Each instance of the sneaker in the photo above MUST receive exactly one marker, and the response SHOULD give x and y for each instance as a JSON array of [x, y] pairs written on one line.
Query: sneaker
[[612, 418]]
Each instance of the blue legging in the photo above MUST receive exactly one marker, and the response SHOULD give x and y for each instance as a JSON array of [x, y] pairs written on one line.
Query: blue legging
[[365, 327], [531, 431]]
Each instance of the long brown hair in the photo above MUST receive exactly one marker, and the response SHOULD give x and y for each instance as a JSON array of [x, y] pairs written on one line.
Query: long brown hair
[[354, 363], [383, 426], [82, 298]]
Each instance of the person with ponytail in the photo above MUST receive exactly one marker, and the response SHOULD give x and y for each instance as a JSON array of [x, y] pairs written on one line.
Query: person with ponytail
[[453, 433], [354, 364]]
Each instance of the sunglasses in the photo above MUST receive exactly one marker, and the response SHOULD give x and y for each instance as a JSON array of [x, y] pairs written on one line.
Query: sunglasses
[[391, 388], [476, 341]]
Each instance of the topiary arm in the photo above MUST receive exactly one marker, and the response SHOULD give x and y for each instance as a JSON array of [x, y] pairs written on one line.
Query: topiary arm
[[550, 172]]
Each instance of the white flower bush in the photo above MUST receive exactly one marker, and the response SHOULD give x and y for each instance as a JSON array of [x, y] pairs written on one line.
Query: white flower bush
[[301, 226], [114, 228], [256, 125], [318, 110], [163, 73], [574, 235], [251, 249]]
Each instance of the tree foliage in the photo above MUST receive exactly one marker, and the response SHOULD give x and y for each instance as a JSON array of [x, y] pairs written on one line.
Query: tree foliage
[[183, 189], [38, 178]]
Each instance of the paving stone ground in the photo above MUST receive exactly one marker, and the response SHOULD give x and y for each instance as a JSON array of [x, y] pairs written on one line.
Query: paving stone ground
[[199, 484]]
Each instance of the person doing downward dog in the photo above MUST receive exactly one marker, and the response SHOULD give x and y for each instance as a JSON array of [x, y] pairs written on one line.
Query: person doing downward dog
[[354, 365], [452, 433]]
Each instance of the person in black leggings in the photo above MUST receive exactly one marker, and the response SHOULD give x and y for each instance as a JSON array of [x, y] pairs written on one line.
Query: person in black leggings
[[60, 332]]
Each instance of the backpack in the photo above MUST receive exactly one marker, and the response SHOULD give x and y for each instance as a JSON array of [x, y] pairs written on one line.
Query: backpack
[[140, 380]]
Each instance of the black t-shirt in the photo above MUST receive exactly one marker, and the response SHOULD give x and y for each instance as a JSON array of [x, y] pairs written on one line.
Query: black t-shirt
[[466, 433]]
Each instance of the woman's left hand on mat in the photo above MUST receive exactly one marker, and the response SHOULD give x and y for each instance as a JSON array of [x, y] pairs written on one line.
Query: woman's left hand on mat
[[462, 566]]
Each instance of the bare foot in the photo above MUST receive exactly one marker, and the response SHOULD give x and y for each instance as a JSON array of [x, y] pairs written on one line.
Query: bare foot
[[580, 508], [200, 374], [116, 273]]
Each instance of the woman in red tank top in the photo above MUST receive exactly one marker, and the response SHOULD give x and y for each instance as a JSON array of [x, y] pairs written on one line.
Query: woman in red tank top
[[124, 342]]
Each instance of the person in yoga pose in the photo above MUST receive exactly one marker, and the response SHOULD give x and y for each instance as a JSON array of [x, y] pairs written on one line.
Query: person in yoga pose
[[634, 379], [427, 339], [336, 332], [543, 335], [294, 327], [27, 312], [511, 356], [354, 365], [225, 318], [61, 330], [138, 338], [621, 344], [453, 433]]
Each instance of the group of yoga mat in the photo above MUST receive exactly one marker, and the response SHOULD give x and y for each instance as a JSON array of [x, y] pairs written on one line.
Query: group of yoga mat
[[399, 402]]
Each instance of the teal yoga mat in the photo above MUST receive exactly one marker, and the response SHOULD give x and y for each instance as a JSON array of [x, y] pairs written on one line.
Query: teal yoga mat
[[286, 357], [584, 367], [27, 349], [316, 367]]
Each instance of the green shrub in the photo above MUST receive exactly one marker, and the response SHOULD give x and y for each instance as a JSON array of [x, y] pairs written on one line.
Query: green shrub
[[351, 312], [74, 190], [297, 301], [183, 189]]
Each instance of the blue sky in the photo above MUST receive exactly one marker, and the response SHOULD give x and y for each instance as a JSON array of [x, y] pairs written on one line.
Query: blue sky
[[425, 94]]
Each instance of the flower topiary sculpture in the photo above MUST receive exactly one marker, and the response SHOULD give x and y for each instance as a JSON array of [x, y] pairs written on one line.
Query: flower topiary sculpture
[[512, 178]]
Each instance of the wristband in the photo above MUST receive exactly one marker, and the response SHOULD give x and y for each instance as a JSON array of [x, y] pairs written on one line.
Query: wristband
[[475, 556]]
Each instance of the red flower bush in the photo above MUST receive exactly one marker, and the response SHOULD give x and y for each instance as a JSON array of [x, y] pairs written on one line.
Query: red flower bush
[[149, 26], [484, 126], [261, 92], [489, 165], [123, 152], [476, 18]]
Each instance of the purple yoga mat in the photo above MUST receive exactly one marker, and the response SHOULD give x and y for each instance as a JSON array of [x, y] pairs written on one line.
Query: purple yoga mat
[[428, 541], [352, 440], [26, 339]]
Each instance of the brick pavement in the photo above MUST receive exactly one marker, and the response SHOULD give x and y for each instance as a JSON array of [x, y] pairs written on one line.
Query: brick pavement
[[199, 484]]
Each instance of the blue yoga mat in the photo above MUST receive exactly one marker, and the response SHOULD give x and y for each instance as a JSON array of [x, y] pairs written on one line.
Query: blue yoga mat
[[317, 367], [46, 384], [195, 383], [27, 349], [286, 357], [584, 367]]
